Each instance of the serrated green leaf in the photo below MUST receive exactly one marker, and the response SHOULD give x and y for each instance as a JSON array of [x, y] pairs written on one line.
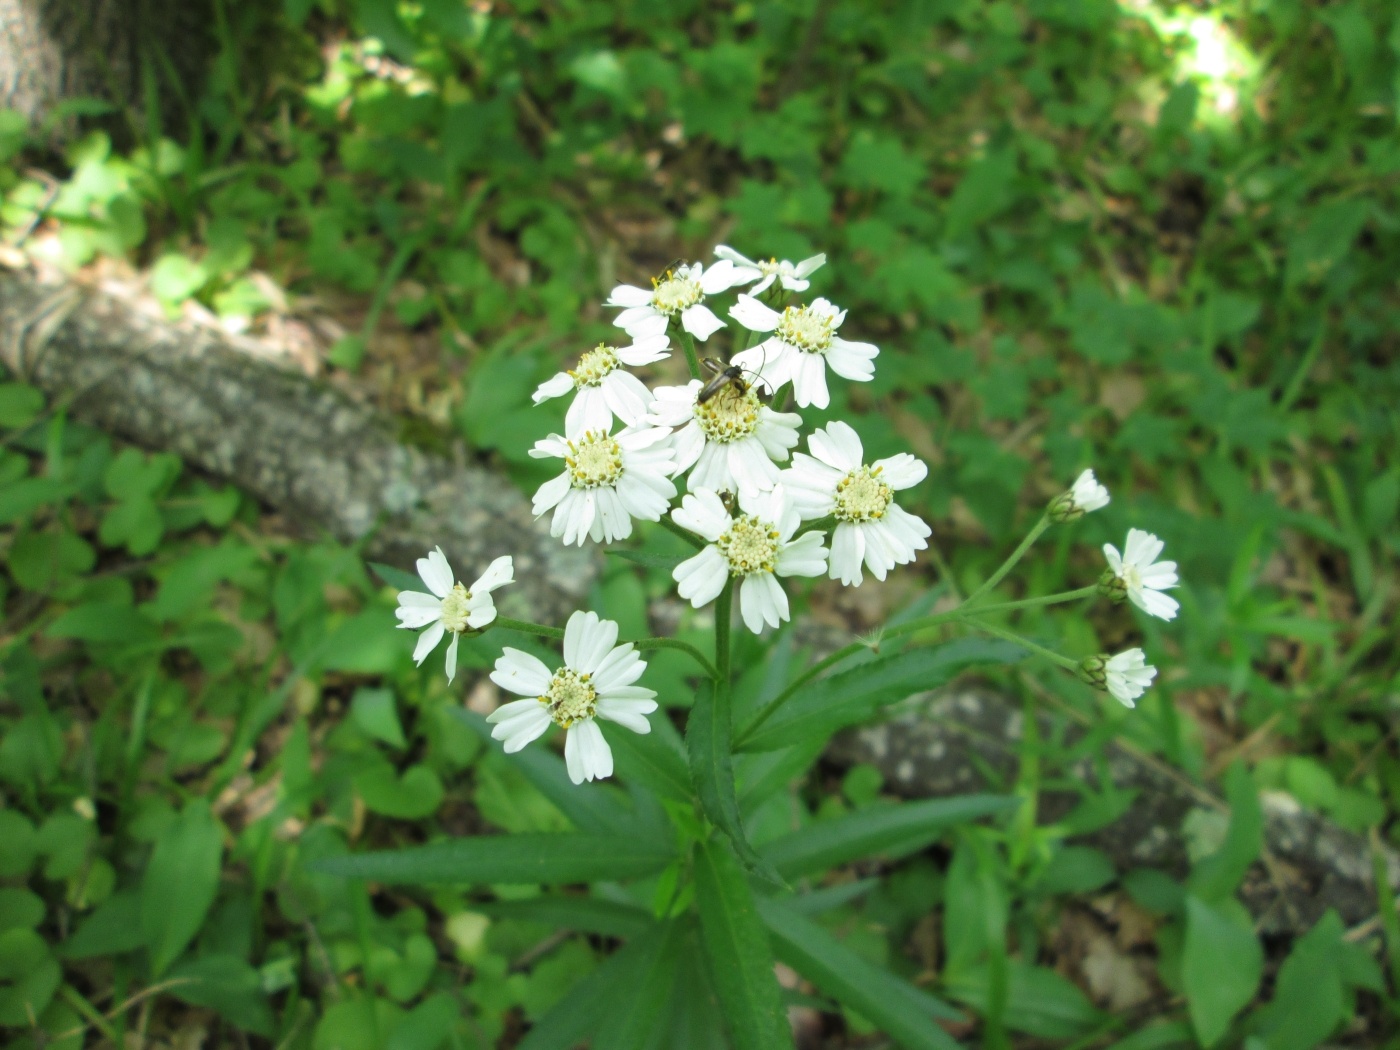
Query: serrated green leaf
[[707, 742], [898, 1009], [180, 883], [854, 695], [1221, 964], [894, 830], [737, 951], [546, 859]]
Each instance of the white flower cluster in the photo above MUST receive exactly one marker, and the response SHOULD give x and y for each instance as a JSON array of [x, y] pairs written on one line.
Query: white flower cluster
[[757, 510]]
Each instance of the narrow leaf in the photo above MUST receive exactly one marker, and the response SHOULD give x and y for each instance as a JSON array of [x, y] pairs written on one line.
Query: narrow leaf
[[654, 762], [736, 947], [854, 695], [585, 914], [1039, 1002], [904, 1013], [547, 859], [631, 1023], [894, 830], [1216, 876], [648, 559], [180, 882], [707, 739]]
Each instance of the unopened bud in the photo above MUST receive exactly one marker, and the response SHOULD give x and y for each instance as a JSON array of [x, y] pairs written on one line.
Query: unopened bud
[[1084, 495], [1092, 670], [1063, 509], [1113, 587]]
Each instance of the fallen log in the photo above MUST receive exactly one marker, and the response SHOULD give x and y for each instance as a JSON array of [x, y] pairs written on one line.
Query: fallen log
[[326, 462]]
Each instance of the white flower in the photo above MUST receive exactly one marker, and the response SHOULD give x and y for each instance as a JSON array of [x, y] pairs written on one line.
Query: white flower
[[756, 547], [792, 276], [1084, 495], [608, 480], [681, 293], [871, 527], [731, 440], [604, 390], [1128, 675], [1142, 576], [803, 343], [595, 682], [450, 606]]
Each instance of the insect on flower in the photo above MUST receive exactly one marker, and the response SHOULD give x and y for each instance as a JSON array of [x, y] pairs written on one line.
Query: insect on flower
[[722, 376]]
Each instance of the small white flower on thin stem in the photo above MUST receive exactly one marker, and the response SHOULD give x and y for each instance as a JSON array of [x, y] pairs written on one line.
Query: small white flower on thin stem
[[604, 389], [451, 607], [871, 527], [608, 480], [1140, 577], [1128, 675], [1085, 495], [679, 294], [756, 548], [804, 342], [595, 682], [731, 440], [793, 276]]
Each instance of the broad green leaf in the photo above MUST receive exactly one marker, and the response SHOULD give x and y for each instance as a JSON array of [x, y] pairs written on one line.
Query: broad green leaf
[[29, 975], [707, 741], [20, 404], [227, 984], [21, 498], [427, 1026], [113, 622], [596, 807], [894, 830], [1168, 1036], [588, 1003], [1076, 869], [376, 713], [898, 1009], [571, 912], [854, 695], [1221, 964], [1216, 876], [736, 948], [175, 278], [20, 909], [547, 859], [134, 523], [113, 929], [414, 795], [179, 884], [18, 835], [1039, 1002], [40, 561], [1310, 1000], [359, 1023]]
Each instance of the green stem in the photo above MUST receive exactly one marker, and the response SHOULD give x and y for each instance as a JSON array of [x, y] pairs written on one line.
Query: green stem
[[723, 614], [670, 526], [1010, 563], [644, 644], [1028, 603], [688, 345], [526, 627], [1024, 643]]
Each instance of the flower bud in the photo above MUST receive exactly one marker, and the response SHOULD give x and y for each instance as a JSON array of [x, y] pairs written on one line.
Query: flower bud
[[1093, 670], [1084, 495], [1062, 509], [1113, 587]]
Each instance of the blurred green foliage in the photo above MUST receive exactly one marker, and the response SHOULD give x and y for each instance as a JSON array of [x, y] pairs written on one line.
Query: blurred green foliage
[[1158, 240]]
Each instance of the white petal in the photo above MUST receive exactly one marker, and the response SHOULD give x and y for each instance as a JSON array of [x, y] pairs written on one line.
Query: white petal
[[809, 380], [597, 755], [902, 471], [627, 396], [556, 386], [852, 360], [1115, 560], [754, 315], [499, 573], [723, 251], [628, 295], [519, 672], [436, 573], [619, 668], [1155, 603], [700, 579], [587, 640], [810, 265], [550, 493], [805, 556], [702, 512], [427, 641], [838, 445], [642, 322], [589, 411], [519, 731], [1142, 548], [847, 554], [452, 657], [481, 612], [700, 321], [630, 713], [645, 351], [762, 600], [717, 278]]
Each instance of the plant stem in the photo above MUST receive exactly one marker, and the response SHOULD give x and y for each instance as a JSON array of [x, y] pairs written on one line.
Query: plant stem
[[1010, 563], [670, 526], [525, 627], [1023, 642], [1027, 603], [644, 644], [688, 345]]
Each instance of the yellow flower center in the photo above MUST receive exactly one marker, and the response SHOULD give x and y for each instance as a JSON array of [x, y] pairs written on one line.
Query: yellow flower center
[[729, 415], [809, 332], [672, 295], [751, 545], [770, 267], [594, 366], [455, 608], [595, 460], [571, 697], [862, 496]]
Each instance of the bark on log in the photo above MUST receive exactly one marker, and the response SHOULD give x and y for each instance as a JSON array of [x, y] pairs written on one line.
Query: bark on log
[[302, 447], [946, 742]]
